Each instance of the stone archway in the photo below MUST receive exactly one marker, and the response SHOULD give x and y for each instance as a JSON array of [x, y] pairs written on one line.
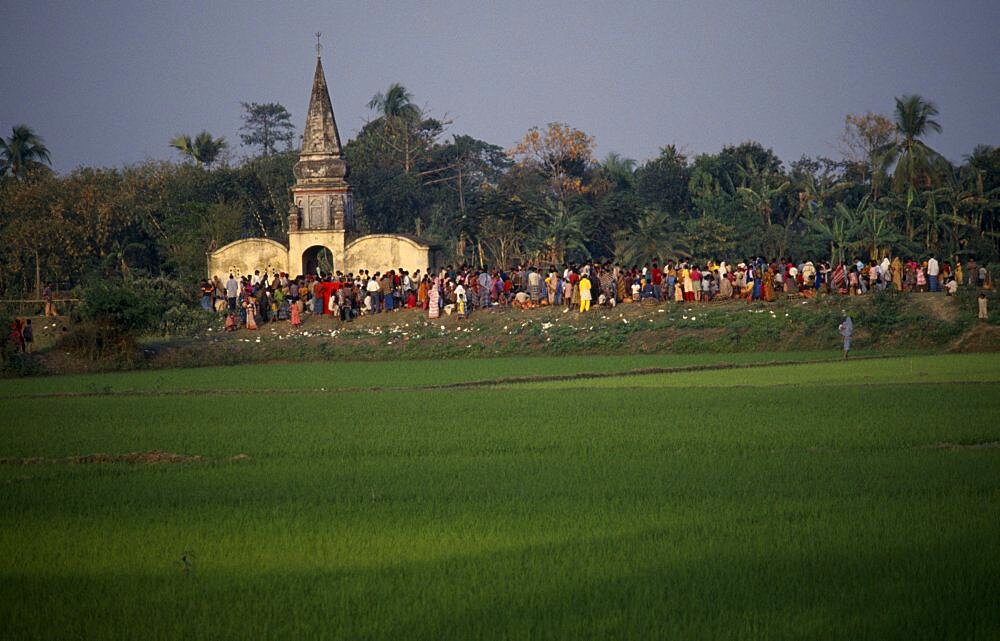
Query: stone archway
[[317, 260]]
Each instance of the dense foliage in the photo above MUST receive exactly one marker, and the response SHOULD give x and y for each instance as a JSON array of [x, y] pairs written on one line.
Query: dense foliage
[[548, 199]]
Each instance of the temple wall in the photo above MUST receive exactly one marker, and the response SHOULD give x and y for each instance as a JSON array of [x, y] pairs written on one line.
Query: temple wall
[[378, 252], [382, 252], [300, 241], [245, 256]]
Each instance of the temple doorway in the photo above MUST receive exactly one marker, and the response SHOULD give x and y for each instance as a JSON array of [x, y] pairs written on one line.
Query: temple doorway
[[318, 261]]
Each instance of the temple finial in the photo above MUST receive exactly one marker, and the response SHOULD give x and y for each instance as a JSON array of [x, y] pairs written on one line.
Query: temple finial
[[319, 47]]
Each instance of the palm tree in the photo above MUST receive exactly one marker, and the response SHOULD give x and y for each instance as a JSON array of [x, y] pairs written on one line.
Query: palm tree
[[562, 230], [915, 161], [204, 149], [649, 240], [396, 102], [401, 126], [815, 192], [22, 152], [619, 172]]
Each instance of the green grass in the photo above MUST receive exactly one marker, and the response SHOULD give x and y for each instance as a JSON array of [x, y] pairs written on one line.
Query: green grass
[[361, 374], [720, 512]]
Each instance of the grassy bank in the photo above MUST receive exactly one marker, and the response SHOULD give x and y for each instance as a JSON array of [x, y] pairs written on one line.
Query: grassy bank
[[887, 324]]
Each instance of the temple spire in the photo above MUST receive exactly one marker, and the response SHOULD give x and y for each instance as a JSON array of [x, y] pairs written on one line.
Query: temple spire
[[321, 138], [321, 197]]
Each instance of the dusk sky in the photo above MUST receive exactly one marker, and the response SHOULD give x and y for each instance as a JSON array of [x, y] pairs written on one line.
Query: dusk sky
[[110, 83]]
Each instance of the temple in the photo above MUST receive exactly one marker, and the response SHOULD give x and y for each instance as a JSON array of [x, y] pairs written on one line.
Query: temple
[[321, 232]]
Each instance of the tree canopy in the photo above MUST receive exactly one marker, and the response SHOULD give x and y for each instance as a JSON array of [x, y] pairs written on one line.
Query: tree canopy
[[265, 125], [545, 200]]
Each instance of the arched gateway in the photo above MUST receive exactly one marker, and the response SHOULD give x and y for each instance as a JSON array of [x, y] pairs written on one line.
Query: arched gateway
[[321, 215]]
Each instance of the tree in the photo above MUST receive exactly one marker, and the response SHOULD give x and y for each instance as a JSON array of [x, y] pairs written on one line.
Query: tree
[[203, 149], [266, 125], [22, 152], [816, 183], [865, 142], [29, 232], [876, 233], [914, 159], [396, 102], [619, 172], [761, 200], [706, 237], [650, 239], [663, 181], [456, 173], [505, 222], [563, 155], [838, 227], [561, 231], [401, 135]]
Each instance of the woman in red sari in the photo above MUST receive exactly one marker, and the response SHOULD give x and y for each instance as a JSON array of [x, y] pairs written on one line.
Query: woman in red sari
[[840, 279]]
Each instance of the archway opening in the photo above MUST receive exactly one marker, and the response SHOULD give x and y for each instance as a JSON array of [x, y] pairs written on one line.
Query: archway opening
[[318, 261]]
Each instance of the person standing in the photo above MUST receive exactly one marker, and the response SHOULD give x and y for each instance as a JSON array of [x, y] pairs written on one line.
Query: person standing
[[48, 295], [434, 300], [585, 293], [897, 273], [206, 295], [232, 291], [846, 330], [28, 334], [981, 300], [374, 290], [933, 269], [971, 272], [460, 301], [250, 304]]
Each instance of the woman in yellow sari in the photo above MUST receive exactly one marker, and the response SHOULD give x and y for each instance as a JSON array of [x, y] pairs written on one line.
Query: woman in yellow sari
[[767, 285], [897, 273], [584, 293]]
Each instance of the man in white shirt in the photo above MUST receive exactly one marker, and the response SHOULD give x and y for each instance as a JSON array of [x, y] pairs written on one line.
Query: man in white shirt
[[933, 269], [374, 289]]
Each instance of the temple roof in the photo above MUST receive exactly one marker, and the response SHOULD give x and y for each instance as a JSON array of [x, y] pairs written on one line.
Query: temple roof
[[320, 162], [321, 137]]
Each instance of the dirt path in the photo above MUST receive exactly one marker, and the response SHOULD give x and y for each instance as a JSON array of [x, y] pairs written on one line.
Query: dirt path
[[979, 338], [938, 306]]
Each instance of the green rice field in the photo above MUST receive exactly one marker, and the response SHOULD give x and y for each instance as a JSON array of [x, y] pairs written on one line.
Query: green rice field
[[756, 496]]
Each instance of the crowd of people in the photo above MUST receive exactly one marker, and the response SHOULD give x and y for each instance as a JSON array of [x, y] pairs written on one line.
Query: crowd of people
[[250, 300]]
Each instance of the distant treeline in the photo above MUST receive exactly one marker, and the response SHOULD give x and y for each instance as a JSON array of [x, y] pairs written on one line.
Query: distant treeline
[[547, 200]]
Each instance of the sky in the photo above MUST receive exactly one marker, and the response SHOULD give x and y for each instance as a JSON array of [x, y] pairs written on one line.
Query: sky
[[109, 83]]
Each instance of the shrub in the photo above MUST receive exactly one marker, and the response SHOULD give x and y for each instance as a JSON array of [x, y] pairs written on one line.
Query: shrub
[[112, 315], [884, 314]]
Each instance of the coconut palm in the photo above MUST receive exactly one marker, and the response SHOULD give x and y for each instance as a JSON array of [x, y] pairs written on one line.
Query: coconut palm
[[22, 152], [618, 171], [396, 102], [649, 240], [203, 149], [915, 161], [562, 230]]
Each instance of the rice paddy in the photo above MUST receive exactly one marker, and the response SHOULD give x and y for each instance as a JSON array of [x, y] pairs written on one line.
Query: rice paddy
[[821, 500]]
